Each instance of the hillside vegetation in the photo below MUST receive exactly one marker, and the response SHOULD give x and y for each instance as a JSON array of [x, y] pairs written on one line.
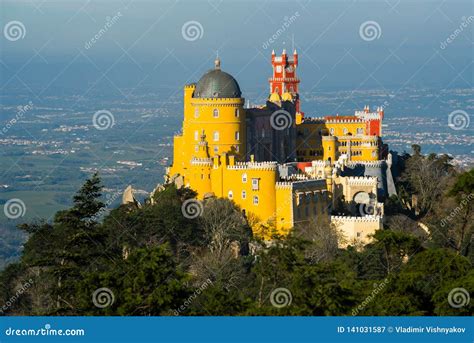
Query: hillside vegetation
[[153, 260]]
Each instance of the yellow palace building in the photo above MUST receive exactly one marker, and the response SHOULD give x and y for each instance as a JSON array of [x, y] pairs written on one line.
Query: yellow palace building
[[279, 167]]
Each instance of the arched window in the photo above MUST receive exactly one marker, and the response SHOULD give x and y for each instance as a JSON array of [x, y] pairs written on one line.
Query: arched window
[[216, 136], [244, 194], [332, 131], [231, 195], [237, 112], [237, 135], [244, 178], [255, 199], [344, 131], [215, 113]]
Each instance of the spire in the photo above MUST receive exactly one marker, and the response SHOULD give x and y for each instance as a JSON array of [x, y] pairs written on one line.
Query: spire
[[217, 61], [284, 52], [273, 52]]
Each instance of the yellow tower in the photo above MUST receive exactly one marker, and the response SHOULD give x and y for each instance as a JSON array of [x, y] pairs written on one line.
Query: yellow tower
[[329, 148], [214, 117]]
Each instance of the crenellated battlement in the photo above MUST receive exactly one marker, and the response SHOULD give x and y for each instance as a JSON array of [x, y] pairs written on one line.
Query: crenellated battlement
[[295, 177], [283, 185], [373, 164], [353, 219], [343, 120], [269, 166], [361, 180], [201, 161]]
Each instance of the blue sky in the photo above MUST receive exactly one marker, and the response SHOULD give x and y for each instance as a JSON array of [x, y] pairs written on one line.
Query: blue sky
[[145, 45]]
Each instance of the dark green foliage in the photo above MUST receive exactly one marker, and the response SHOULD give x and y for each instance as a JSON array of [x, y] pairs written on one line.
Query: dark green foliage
[[155, 261], [146, 283]]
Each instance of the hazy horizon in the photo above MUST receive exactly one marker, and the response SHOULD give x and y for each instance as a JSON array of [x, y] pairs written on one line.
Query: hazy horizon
[[144, 47]]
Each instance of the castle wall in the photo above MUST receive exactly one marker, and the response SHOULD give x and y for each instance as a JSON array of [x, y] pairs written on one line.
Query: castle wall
[[356, 230]]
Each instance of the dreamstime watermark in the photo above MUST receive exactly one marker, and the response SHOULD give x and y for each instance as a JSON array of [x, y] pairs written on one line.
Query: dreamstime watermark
[[281, 297], [377, 289], [454, 213], [103, 297], [458, 120], [281, 120], [193, 296], [14, 208], [192, 30], [287, 21], [458, 297], [109, 22], [370, 30], [368, 209], [110, 198], [14, 30], [464, 24], [44, 331], [21, 111], [103, 120], [17, 295], [192, 208]]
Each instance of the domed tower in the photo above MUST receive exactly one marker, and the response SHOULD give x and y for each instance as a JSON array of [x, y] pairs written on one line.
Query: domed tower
[[215, 106]]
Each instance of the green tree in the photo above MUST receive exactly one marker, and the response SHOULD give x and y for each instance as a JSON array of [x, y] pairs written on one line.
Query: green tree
[[147, 283]]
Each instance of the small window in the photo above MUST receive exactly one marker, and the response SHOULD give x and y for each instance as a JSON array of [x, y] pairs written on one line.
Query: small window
[[358, 234], [216, 136], [196, 135], [237, 135], [216, 149], [332, 131], [244, 178], [255, 184], [237, 112], [278, 69], [231, 195], [255, 200], [344, 130], [244, 195], [196, 112], [215, 113], [360, 131]]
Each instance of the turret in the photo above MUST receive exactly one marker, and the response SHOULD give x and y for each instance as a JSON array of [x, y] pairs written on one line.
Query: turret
[[329, 148], [284, 79]]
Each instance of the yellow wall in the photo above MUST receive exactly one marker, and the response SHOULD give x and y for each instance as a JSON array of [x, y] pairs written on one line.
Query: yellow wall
[[313, 141], [214, 167]]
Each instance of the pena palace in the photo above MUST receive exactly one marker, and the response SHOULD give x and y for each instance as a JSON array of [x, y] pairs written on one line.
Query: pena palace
[[279, 165]]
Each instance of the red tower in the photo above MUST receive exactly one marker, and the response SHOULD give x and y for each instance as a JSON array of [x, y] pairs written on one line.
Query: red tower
[[284, 78]]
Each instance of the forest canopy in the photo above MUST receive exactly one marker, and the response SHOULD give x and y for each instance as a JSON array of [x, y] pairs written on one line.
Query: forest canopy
[[153, 260]]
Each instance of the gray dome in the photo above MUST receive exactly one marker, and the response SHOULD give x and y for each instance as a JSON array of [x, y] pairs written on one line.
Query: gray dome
[[217, 84]]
